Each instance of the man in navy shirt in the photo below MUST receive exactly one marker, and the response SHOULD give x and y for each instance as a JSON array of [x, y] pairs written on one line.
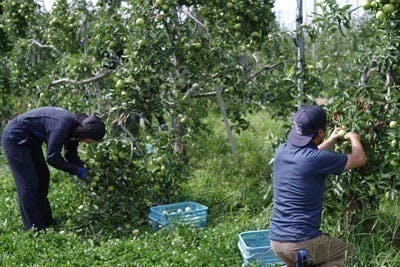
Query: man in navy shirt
[[22, 141], [300, 168]]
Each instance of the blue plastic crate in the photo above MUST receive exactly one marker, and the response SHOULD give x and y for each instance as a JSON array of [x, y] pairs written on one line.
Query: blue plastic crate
[[188, 213], [256, 247]]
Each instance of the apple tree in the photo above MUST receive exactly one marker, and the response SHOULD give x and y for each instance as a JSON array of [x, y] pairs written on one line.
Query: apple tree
[[153, 70], [361, 88]]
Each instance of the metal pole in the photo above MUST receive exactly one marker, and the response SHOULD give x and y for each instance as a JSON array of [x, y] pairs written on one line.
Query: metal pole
[[300, 52], [313, 48]]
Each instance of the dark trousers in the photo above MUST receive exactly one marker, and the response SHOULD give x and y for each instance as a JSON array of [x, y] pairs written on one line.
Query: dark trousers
[[32, 177]]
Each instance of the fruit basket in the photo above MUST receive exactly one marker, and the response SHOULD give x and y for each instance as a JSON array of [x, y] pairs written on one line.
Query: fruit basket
[[188, 213], [256, 247]]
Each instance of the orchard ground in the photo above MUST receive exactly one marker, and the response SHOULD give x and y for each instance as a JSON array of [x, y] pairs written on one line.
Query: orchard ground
[[237, 192]]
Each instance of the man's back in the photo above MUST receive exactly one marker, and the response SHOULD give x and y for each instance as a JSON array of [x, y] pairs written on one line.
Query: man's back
[[299, 178]]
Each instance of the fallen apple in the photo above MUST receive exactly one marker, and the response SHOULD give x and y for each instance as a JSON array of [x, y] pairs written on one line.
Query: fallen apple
[[135, 231]]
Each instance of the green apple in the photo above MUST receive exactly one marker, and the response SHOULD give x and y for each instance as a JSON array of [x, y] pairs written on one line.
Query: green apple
[[255, 18], [165, 8], [142, 42], [388, 9], [139, 22], [380, 15], [393, 124], [120, 84], [342, 133], [237, 26], [394, 163], [367, 5], [196, 45], [159, 3], [393, 143], [135, 231], [188, 209], [158, 159], [111, 188]]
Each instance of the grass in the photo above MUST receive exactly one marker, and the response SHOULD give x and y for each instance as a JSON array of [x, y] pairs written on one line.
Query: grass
[[237, 192]]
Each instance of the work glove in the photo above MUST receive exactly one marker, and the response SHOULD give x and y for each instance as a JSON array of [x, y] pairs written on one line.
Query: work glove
[[82, 173]]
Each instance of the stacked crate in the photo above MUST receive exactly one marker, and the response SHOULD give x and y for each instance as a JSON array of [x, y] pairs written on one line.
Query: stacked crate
[[256, 247]]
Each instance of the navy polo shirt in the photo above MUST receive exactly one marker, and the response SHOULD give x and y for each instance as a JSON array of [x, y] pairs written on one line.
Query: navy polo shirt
[[299, 178]]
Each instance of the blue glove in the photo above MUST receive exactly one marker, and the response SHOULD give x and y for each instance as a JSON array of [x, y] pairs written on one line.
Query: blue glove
[[81, 172]]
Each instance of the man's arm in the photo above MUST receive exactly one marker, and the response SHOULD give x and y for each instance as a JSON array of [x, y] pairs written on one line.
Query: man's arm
[[71, 153], [332, 139], [357, 157]]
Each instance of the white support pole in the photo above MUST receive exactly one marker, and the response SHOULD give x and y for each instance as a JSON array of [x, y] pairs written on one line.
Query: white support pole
[[300, 51], [313, 48]]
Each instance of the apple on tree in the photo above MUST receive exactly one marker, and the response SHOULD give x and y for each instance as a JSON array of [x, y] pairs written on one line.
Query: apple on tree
[[393, 124], [159, 3], [139, 22], [342, 133]]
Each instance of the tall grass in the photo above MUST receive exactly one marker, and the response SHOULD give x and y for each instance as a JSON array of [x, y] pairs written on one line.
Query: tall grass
[[228, 182]]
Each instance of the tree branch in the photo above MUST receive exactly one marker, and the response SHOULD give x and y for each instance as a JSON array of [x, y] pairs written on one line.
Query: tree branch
[[120, 120], [266, 68], [204, 94], [189, 14], [34, 42], [367, 72], [76, 82], [226, 120], [189, 93]]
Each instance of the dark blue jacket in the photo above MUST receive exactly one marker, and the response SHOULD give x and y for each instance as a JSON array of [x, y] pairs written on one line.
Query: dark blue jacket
[[53, 126]]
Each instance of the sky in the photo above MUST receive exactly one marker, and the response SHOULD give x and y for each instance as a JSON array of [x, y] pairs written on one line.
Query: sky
[[285, 10]]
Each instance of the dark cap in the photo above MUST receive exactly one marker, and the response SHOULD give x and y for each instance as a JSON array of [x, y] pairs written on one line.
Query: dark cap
[[306, 123], [93, 127]]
